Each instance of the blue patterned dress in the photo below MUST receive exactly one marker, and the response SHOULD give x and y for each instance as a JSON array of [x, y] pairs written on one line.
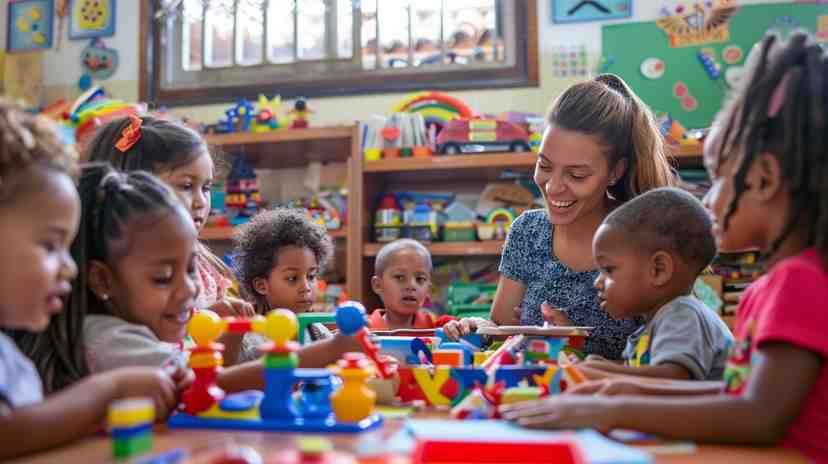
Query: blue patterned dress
[[527, 258]]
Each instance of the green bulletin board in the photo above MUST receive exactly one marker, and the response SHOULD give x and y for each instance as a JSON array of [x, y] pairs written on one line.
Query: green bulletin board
[[626, 46]]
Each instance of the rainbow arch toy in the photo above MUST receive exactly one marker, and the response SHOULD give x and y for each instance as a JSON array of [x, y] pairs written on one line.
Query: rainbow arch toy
[[436, 107]]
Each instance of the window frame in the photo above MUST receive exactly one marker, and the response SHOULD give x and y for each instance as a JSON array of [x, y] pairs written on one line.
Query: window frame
[[524, 72]]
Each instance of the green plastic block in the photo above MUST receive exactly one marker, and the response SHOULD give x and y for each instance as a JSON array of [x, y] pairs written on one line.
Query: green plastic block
[[133, 446], [306, 319]]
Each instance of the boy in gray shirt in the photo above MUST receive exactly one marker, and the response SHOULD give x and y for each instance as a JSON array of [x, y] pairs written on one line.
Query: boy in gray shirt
[[649, 252]]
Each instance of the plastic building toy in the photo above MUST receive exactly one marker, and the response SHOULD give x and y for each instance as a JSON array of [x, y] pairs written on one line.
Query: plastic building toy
[[481, 136], [207, 406], [502, 452], [130, 423], [299, 114], [387, 220], [243, 199], [354, 401], [237, 119], [267, 118]]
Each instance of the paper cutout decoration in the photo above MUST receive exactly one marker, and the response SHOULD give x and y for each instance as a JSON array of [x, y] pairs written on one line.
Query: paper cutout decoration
[[822, 29], [92, 18], [700, 25], [574, 11], [98, 60], [570, 61], [653, 68], [23, 77], [682, 93], [732, 54], [29, 25]]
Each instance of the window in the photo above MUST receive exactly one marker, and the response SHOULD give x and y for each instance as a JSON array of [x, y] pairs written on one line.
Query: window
[[198, 51]]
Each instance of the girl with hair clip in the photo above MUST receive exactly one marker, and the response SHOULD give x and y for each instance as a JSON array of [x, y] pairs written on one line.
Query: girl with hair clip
[[768, 158], [602, 148], [179, 157], [39, 212], [136, 252]]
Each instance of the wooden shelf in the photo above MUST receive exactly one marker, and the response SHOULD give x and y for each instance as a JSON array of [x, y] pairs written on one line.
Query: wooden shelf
[[487, 248], [445, 162], [288, 148], [227, 233]]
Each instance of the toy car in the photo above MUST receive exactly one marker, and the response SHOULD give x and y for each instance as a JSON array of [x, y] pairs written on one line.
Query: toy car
[[481, 136]]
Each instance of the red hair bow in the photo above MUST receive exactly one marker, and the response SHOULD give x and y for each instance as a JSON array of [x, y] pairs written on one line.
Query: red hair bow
[[130, 135]]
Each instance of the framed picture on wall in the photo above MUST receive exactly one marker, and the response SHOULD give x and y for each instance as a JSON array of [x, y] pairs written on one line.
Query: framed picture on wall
[[29, 25], [91, 18], [575, 11]]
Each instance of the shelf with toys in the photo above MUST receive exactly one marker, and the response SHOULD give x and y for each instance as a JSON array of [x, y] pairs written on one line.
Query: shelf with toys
[[228, 233], [472, 248]]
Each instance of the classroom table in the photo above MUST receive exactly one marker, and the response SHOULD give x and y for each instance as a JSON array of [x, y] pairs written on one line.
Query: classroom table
[[98, 449]]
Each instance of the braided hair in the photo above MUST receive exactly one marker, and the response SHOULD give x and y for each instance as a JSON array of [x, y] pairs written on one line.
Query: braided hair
[[110, 202], [28, 142], [792, 76], [608, 109]]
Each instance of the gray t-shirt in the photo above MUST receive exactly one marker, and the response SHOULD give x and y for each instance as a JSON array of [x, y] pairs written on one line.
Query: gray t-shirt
[[684, 332], [112, 342], [20, 383]]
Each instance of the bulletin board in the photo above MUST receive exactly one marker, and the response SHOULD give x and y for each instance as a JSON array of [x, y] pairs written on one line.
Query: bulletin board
[[627, 46]]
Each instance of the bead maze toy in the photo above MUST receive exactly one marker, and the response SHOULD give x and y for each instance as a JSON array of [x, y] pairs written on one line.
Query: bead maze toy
[[318, 407], [130, 424]]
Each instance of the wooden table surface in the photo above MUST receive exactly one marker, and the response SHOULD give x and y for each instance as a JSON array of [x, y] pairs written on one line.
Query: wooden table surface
[[208, 442]]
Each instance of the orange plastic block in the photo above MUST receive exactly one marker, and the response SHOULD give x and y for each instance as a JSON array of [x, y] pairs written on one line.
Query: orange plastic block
[[447, 358]]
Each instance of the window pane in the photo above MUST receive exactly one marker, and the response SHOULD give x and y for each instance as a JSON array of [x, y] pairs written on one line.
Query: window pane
[[345, 28], [469, 26], [393, 17], [191, 35], [311, 29], [219, 34], [280, 22], [368, 13], [425, 25], [250, 36]]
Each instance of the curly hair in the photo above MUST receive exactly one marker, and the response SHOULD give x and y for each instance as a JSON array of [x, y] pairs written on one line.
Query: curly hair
[[28, 142], [259, 241]]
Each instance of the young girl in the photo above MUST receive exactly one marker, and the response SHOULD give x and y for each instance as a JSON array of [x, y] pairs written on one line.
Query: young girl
[[179, 157], [768, 158], [280, 255], [38, 219], [137, 252]]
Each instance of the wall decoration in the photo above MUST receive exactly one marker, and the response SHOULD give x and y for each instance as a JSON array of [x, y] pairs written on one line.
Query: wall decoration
[[732, 54], [702, 24], [707, 58], [822, 29], [570, 61], [652, 68], [630, 43], [23, 77], [29, 26], [91, 18], [98, 60], [573, 11]]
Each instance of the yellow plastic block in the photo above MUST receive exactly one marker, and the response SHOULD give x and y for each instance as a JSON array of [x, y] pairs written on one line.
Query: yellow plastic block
[[199, 360], [217, 413], [480, 357], [431, 384], [131, 412], [520, 394]]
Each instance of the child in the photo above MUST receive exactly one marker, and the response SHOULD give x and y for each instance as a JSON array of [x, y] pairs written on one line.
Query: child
[[648, 263], [136, 251], [179, 157], [280, 255], [402, 280], [39, 218], [768, 158]]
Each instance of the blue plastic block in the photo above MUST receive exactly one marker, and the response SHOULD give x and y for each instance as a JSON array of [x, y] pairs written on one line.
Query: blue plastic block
[[468, 376], [329, 425], [513, 375], [351, 317], [242, 401], [467, 353], [126, 433], [277, 403], [473, 338]]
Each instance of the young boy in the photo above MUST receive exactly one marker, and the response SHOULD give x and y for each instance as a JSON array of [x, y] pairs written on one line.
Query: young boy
[[402, 280], [649, 253]]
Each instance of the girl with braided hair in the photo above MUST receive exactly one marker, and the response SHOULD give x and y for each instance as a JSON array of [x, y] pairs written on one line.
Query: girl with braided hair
[[39, 212], [768, 158]]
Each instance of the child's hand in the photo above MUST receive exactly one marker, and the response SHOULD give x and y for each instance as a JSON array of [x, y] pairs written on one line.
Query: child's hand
[[456, 329], [555, 316], [607, 387], [596, 357], [148, 382], [182, 376], [562, 412], [233, 307]]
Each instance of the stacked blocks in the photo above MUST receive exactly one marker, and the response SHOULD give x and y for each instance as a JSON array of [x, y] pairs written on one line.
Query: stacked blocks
[[130, 423]]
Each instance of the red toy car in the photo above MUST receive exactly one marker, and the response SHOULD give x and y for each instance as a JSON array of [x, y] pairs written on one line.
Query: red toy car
[[480, 136]]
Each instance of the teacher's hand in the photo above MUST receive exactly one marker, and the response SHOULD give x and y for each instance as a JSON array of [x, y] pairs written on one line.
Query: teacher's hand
[[555, 316]]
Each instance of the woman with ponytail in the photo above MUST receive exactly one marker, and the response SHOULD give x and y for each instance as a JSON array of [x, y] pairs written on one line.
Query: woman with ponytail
[[602, 147]]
